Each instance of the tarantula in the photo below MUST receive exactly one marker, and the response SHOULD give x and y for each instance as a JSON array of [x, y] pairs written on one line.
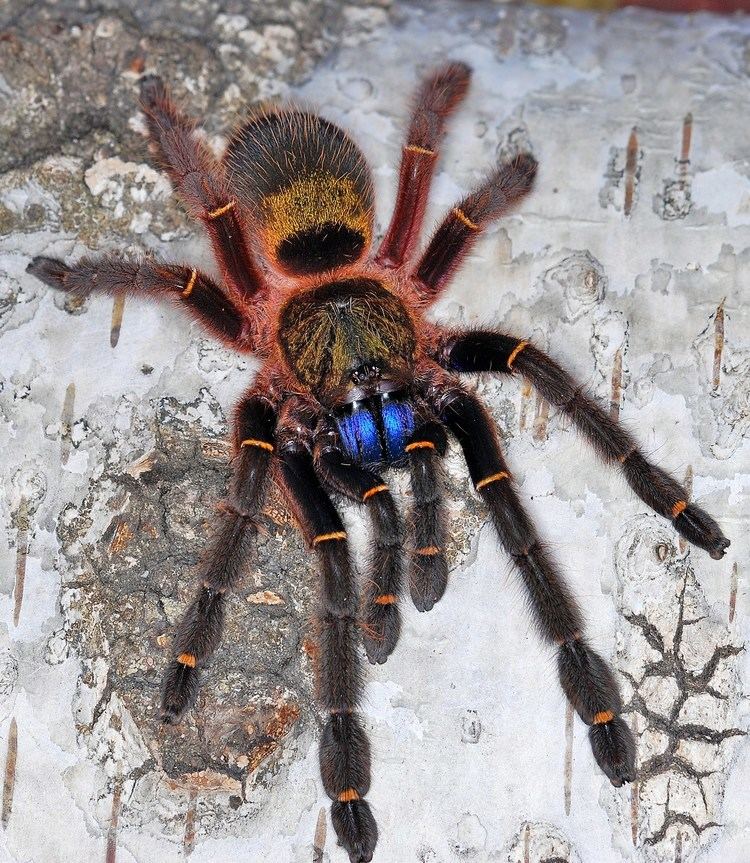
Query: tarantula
[[354, 378]]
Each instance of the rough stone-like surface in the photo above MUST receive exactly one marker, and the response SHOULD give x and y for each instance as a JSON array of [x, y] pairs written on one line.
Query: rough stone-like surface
[[631, 262]]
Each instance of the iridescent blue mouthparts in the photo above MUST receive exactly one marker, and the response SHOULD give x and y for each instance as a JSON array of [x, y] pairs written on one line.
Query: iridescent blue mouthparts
[[376, 430]]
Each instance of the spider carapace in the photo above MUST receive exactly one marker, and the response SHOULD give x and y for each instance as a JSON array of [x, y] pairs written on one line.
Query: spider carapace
[[355, 379]]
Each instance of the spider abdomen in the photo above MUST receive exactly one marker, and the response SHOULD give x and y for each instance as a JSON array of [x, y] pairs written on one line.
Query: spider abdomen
[[376, 430], [308, 186]]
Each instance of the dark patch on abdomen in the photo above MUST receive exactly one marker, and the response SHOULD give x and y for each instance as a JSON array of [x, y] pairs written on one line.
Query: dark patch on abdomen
[[321, 248]]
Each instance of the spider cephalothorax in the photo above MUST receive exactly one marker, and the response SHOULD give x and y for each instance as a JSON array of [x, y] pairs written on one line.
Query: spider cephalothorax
[[354, 379]]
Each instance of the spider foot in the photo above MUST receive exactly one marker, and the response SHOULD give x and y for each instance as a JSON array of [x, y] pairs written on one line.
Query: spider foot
[[152, 90], [356, 829], [381, 631], [179, 691], [700, 529], [51, 271], [428, 578], [614, 749]]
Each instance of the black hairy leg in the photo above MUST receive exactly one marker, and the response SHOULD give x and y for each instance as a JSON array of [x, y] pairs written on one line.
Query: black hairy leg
[[199, 632], [200, 182], [585, 677], [187, 288], [344, 747], [436, 99], [483, 350], [428, 568], [381, 617]]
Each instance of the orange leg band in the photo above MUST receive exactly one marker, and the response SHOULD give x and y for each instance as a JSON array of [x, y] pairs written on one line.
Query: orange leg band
[[385, 599], [251, 441], [326, 537], [190, 285], [428, 550], [496, 477], [414, 148], [516, 351], [603, 716], [374, 490], [462, 217], [348, 796], [188, 659], [419, 444], [219, 211], [679, 507]]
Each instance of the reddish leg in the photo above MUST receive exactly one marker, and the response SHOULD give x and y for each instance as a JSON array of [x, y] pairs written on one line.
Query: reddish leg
[[199, 181], [457, 234], [189, 288], [437, 98]]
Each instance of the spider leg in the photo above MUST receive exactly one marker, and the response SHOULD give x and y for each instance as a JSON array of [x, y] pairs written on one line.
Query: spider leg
[[460, 229], [435, 101], [199, 632], [344, 747], [428, 572], [380, 613], [487, 351], [585, 677], [195, 292], [199, 181]]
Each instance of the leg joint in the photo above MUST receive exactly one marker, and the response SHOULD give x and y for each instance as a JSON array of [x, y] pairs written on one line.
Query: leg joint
[[348, 795], [515, 352], [329, 537], [428, 551], [680, 506], [376, 489], [495, 477], [219, 211]]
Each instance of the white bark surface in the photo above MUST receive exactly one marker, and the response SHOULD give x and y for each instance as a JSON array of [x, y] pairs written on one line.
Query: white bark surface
[[627, 269]]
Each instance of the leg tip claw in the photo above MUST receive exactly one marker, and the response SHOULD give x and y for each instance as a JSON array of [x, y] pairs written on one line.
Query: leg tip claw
[[720, 548], [51, 271], [424, 603], [614, 750], [428, 581], [700, 529], [151, 90], [381, 631], [356, 829], [169, 715], [377, 652]]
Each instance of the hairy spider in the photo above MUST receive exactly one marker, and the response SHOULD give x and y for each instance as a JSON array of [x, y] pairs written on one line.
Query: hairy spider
[[354, 377]]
